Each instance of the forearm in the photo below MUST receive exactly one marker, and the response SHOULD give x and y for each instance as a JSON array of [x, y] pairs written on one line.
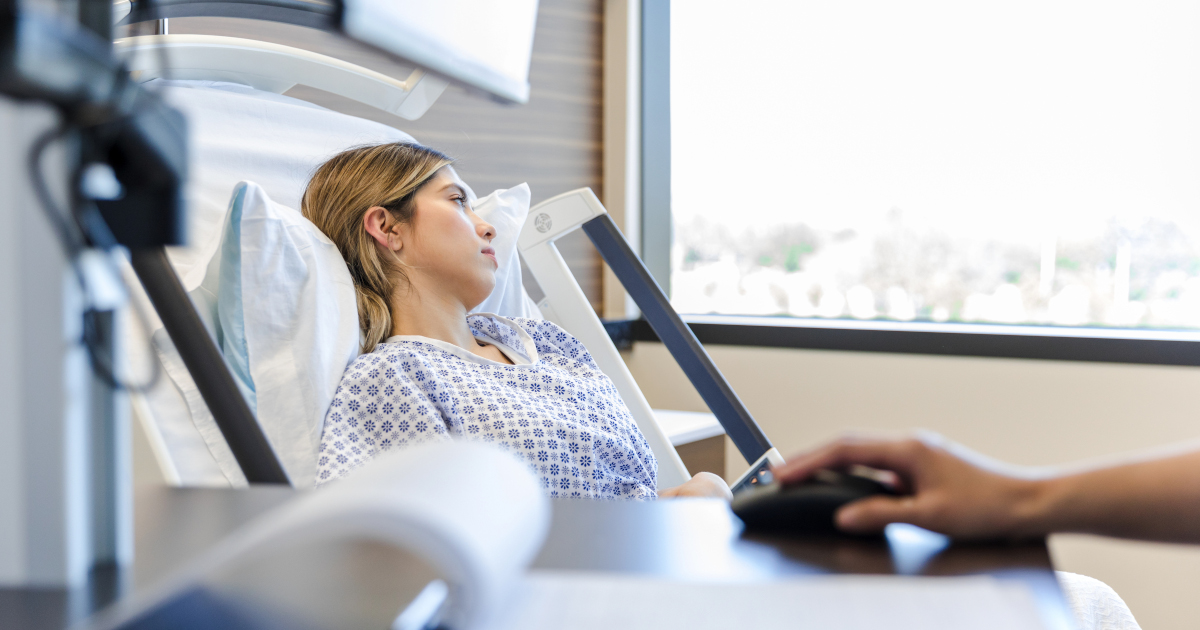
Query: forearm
[[1151, 500]]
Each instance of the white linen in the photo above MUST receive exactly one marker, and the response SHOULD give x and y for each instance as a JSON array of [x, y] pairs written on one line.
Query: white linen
[[1095, 604], [167, 409], [289, 323], [507, 210], [479, 522]]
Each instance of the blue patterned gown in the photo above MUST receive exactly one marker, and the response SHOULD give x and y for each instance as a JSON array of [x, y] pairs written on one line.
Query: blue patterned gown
[[554, 409]]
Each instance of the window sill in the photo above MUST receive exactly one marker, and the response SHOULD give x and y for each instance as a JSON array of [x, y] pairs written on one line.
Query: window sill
[[1108, 345]]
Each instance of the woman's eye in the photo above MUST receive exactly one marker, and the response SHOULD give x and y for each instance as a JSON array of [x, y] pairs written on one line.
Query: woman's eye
[[461, 201]]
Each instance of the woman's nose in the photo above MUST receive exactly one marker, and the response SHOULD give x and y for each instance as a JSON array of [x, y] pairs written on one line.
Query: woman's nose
[[486, 230]]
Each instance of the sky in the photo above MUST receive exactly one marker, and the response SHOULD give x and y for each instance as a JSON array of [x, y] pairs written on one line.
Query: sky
[[1013, 118]]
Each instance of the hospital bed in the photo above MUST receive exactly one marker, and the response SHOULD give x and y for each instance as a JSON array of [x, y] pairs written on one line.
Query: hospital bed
[[209, 437]]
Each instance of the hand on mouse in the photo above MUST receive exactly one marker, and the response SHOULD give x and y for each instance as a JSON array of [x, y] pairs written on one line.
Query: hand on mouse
[[703, 484], [947, 488]]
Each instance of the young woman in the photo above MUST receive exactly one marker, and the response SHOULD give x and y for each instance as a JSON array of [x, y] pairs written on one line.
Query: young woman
[[421, 260]]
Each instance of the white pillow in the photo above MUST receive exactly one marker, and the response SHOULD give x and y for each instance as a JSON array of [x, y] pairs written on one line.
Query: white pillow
[[506, 210], [289, 319], [288, 322]]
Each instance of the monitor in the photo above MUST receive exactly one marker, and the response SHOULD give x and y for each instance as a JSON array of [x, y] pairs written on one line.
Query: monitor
[[482, 43]]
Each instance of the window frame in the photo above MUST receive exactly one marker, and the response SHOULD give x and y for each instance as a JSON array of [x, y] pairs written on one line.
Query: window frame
[[1058, 343]]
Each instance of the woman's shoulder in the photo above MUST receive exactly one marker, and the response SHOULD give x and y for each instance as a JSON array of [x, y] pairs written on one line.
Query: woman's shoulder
[[387, 359], [509, 330], [546, 337], [393, 368], [544, 330], [550, 338]]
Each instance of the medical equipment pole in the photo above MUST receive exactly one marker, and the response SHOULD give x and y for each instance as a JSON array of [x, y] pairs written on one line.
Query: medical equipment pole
[[722, 401], [204, 362]]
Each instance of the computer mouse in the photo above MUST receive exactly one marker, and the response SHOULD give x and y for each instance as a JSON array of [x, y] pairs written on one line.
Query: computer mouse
[[803, 508]]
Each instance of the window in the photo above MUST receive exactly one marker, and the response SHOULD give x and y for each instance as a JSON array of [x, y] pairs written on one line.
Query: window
[[1010, 162]]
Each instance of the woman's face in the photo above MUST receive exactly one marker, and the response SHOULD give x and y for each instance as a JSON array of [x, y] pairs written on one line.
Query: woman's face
[[447, 244]]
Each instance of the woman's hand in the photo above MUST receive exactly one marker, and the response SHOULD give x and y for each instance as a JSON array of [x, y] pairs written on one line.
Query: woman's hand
[[703, 484], [948, 488]]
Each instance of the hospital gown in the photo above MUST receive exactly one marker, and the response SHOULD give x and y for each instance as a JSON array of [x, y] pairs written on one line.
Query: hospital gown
[[554, 409]]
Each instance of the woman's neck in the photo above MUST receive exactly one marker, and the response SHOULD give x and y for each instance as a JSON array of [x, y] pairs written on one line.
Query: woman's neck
[[427, 314]]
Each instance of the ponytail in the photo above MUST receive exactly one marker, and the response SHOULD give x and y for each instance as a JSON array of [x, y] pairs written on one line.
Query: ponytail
[[339, 195]]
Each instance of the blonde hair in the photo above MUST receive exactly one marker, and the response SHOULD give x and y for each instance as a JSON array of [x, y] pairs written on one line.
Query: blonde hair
[[340, 193]]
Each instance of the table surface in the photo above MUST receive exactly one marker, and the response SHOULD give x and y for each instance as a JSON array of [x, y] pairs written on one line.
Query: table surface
[[686, 539]]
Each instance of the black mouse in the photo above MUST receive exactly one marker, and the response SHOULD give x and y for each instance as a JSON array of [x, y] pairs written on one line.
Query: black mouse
[[804, 508]]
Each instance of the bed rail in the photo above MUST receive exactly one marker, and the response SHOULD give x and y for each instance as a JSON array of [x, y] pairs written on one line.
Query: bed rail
[[566, 306]]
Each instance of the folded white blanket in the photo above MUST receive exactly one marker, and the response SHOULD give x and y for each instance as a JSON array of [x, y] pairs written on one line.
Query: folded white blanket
[[1095, 604]]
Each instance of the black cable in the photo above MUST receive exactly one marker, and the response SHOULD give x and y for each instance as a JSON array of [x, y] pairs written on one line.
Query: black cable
[[73, 241], [69, 235]]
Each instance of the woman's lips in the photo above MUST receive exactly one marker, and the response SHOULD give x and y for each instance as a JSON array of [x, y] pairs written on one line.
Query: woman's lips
[[491, 253]]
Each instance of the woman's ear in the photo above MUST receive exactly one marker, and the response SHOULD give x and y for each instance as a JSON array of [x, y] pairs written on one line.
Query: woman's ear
[[379, 223]]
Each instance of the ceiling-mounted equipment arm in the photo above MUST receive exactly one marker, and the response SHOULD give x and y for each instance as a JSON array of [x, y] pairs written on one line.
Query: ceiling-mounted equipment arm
[[276, 68], [478, 43]]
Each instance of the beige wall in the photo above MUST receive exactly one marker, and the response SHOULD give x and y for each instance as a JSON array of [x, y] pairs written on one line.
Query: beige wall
[[1028, 412]]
